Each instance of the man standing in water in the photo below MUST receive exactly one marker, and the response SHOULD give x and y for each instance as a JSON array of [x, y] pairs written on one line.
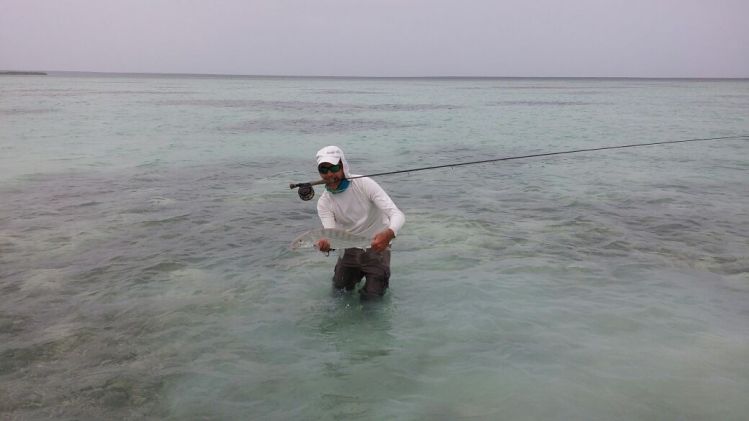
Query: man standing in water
[[361, 207]]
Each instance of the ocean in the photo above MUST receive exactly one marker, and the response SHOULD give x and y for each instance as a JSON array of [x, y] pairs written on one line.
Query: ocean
[[145, 269]]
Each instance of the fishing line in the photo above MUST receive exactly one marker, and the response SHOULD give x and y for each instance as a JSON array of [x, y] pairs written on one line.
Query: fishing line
[[306, 192]]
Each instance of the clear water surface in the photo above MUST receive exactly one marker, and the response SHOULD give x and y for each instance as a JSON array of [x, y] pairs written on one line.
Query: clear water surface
[[145, 270]]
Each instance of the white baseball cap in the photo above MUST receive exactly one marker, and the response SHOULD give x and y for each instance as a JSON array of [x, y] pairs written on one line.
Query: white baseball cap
[[329, 154]]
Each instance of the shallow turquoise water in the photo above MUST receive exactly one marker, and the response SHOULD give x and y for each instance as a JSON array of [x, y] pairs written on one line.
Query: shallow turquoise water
[[144, 268]]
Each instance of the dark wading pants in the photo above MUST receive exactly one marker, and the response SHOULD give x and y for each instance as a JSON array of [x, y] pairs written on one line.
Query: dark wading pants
[[357, 263]]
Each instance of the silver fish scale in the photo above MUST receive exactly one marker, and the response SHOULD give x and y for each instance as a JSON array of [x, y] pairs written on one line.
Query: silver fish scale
[[339, 239]]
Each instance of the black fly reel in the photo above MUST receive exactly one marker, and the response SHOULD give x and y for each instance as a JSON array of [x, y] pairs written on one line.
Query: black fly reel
[[306, 192]]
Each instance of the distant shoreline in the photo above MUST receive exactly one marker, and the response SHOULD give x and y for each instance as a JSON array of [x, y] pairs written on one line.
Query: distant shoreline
[[22, 73], [238, 76]]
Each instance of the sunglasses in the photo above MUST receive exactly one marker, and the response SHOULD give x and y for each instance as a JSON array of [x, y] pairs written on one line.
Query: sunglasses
[[332, 168]]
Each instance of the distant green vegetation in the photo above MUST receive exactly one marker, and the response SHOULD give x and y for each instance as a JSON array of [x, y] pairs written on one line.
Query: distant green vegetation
[[20, 73]]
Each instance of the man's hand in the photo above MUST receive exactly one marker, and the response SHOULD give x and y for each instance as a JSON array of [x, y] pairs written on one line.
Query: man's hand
[[382, 239], [323, 245]]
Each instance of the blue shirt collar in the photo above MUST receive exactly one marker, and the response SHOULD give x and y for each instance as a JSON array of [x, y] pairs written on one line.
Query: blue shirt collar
[[342, 186]]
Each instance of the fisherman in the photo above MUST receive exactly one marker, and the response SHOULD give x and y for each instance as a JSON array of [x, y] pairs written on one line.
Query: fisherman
[[361, 207]]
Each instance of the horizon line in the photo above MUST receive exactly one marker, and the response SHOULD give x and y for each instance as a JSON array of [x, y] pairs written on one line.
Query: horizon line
[[287, 76]]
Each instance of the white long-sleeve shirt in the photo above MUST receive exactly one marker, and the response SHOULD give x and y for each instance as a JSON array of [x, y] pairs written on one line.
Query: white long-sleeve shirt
[[363, 208]]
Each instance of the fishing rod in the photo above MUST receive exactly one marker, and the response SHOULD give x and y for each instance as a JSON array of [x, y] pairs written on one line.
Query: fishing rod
[[306, 192]]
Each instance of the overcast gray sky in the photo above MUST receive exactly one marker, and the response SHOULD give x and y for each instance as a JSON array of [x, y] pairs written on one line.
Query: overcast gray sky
[[634, 38]]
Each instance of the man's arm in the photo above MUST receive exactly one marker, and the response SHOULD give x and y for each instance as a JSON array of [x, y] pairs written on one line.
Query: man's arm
[[396, 218], [328, 221], [381, 199]]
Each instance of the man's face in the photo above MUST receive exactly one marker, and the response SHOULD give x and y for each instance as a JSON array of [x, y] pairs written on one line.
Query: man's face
[[331, 174]]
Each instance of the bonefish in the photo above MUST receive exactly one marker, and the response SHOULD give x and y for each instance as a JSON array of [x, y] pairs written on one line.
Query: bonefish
[[339, 239]]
